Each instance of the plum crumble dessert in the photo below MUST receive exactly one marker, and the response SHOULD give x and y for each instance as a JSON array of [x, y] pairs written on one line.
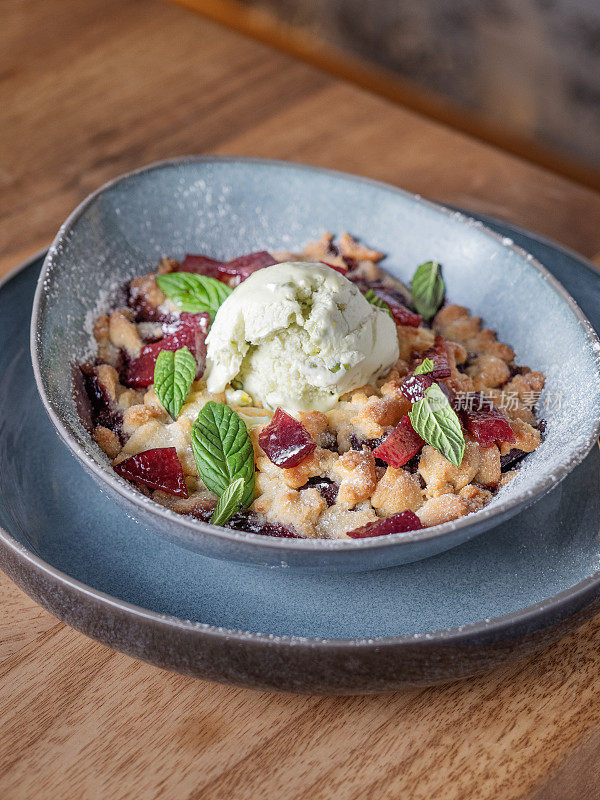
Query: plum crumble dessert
[[306, 395]]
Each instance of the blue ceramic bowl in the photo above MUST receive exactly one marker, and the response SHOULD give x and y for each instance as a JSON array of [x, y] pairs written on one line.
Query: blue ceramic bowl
[[226, 206]]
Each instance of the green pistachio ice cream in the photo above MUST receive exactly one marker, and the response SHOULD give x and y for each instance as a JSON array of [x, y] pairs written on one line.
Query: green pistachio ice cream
[[298, 335]]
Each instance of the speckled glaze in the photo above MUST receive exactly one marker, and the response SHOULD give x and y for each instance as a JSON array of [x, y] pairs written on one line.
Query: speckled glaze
[[224, 207], [504, 594]]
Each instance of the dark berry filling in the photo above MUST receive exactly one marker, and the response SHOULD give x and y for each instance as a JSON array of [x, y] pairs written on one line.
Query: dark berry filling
[[402, 444], [145, 312], [415, 386], [397, 304], [188, 331], [159, 468], [512, 459], [329, 441], [99, 409], [403, 522], [412, 466], [249, 522], [358, 444], [439, 355], [231, 272], [486, 424], [541, 426], [326, 488], [286, 441]]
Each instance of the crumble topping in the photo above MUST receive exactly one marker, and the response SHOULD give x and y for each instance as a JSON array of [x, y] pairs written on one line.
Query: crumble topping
[[342, 485]]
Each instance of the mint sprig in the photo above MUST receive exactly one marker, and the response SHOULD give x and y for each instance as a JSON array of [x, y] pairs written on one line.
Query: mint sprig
[[222, 450], [229, 502], [434, 419], [424, 367], [174, 373], [194, 293], [375, 300], [427, 289]]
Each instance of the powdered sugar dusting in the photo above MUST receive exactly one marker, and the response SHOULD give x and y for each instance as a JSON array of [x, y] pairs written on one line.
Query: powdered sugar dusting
[[224, 208]]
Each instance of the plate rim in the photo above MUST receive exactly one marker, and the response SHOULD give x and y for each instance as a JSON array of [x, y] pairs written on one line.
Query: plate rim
[[477, 524], [545, 613]]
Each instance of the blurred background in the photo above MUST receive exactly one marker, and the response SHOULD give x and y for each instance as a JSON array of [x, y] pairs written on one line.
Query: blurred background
[[526, 69]]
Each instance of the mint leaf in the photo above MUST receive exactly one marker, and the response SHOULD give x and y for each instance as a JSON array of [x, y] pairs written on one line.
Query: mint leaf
[[428, 289], [174, 373], [194, 293], [424, 367], [375, 300], [223, 450], [434, 419], [229, 502]]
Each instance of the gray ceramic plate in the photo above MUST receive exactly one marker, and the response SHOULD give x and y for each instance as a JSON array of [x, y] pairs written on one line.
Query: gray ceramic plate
[[504, 594], [224, 207]]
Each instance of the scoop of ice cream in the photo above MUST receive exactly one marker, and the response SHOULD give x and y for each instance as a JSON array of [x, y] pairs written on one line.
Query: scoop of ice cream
[[298, 335]]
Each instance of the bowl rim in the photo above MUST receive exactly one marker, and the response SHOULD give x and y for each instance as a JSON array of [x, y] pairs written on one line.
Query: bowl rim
[[479, 519], [546, 612]]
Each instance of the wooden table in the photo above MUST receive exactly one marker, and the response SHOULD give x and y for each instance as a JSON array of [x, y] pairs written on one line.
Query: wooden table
[[87, 91]]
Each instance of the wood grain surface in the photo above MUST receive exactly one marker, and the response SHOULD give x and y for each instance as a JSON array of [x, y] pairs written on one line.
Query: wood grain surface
[[87, 91]]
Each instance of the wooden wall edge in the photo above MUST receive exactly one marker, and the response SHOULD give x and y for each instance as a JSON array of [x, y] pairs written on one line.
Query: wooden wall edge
[[263, 27]]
